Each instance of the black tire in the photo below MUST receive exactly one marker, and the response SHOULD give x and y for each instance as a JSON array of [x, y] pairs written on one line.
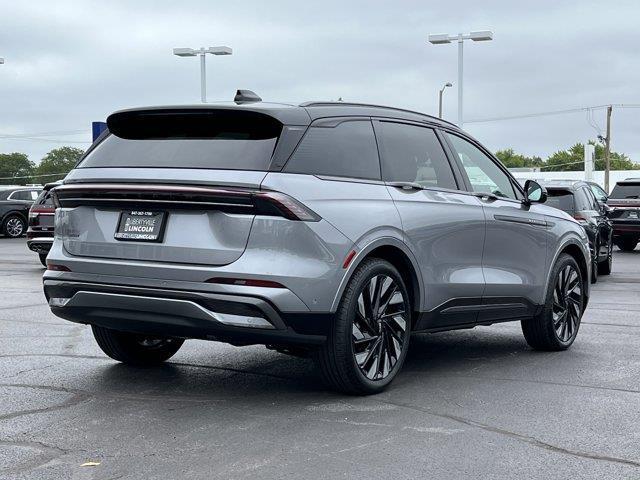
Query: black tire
[[594, 264], [14, 226], [541, 332], [364, 350], [135, 349], [604, 268], [627, 244], [43, 258]]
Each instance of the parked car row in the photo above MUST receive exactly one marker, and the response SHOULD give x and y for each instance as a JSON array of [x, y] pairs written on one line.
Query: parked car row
[[15, 202]]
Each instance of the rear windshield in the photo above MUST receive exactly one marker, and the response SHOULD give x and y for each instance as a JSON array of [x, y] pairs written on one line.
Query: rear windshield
[[561, 199], [228, 140], [626, 190]]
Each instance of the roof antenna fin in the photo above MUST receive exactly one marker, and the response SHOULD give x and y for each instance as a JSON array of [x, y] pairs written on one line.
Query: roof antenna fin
[[246, 96]]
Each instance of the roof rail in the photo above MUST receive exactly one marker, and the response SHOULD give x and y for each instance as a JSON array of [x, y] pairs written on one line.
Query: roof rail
[[370, 105]]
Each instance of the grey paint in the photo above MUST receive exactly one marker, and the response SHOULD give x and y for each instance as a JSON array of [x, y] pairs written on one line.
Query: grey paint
[[459, 245]]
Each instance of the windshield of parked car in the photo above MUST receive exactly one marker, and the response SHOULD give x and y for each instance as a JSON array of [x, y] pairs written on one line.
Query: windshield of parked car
[[562, 199], [626, 190]]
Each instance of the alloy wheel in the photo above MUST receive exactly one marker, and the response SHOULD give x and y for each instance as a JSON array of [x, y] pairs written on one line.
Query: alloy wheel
[[567, 303], [379, 327], [14, 227]]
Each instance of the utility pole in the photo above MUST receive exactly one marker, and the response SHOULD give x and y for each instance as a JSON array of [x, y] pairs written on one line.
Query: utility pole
[[607, 150]]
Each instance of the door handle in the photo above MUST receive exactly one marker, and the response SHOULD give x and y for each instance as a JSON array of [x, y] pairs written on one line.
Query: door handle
[[485, 196], [406, 185]]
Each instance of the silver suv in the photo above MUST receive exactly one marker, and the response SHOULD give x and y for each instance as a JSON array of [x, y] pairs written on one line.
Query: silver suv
[[329, 229]]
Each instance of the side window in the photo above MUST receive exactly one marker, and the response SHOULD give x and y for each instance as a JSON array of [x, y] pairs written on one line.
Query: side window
[[21, 195], [600, 194], [593, 202], [347, 150], [484, 175], [34, 194], [411, 153]]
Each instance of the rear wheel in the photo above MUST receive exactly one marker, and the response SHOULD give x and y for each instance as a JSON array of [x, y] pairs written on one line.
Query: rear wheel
[[556, 327], [627, 244], [604, 267], [14, 226], [133, 348], [370, 333]]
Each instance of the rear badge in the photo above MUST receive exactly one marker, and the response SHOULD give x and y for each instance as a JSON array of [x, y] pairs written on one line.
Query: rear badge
[[141, 226]]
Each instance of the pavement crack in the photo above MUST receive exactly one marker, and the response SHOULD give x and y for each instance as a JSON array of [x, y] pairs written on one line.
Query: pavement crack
[[516, 436], [47, 454]]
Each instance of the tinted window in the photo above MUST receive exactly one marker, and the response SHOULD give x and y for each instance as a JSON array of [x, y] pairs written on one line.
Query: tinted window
[[593, 203], [626, 190], [561, 199], [484, 175], [24, 195], [413, 154], [346, 150]]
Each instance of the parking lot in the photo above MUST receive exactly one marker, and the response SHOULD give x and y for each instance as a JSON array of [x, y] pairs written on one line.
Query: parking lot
[[477, 403]]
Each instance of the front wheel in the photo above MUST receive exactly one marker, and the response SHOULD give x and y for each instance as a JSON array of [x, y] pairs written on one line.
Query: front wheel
[[370, 332], [43, 259], [604, 268], [14, 226], [133, 348], [556, 327]]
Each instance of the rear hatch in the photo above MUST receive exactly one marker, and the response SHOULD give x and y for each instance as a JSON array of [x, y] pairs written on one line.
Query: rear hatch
[[175, 186], [624, 200]]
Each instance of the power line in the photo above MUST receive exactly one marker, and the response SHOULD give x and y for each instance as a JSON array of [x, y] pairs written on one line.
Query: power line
[[42, 134], [552, 112], [34, 176]]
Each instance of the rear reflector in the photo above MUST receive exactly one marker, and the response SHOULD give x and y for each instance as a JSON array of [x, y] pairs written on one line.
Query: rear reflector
[[57, 268], [245, 282]]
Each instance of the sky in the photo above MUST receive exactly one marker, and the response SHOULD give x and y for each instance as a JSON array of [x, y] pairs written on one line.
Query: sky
[[68, 63]]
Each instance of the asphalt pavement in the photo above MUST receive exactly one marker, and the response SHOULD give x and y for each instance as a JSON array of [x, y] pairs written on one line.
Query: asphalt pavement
[[476, 403]]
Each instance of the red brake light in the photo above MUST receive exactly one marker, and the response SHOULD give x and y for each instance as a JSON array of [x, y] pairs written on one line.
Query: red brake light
[[284, 205], [57, 268], [245, 282]]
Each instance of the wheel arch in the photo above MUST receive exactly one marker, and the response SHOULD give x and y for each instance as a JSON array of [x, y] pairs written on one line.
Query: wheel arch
[[398, 254], [576, 250]]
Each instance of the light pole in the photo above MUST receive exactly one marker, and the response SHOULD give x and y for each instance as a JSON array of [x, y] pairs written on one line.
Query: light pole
[[448, 84], [441, 38], [190, 52]]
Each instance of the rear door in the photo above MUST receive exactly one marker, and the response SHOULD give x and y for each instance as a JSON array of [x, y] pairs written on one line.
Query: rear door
[[514, 260], [443, 225]]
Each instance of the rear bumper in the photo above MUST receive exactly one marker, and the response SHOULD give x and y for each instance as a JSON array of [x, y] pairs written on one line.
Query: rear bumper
[[235, 319], [39, 244], [626, 227]]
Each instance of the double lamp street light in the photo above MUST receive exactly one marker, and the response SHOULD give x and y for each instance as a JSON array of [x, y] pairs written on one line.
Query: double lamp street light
[[202, 52], [442, 38]]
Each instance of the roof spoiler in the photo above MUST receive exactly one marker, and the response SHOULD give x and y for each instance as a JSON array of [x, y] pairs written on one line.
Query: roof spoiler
[[246, 96]]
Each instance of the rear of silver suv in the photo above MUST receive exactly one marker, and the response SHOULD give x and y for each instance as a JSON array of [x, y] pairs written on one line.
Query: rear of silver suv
[[288, 226]]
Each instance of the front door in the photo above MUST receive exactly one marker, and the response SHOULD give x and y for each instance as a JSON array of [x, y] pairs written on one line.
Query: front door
[[515, 250]]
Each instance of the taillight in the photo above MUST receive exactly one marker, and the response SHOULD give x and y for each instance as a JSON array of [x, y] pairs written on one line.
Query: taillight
[[37, 210], [276, 203], [247, 282], [57, 268]]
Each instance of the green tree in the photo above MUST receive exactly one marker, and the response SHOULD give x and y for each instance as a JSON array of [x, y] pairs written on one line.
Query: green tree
[[57, 163], [15, 165], [573, 159], [511, 159]]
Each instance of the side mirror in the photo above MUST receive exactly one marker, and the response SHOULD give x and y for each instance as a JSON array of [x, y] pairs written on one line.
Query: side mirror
[[534, 192]]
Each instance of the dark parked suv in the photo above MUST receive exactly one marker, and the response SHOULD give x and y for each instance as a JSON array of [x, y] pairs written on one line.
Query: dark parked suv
[[624, 203], [329, 229], [40, 230], [578, 200], [14, 209]]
